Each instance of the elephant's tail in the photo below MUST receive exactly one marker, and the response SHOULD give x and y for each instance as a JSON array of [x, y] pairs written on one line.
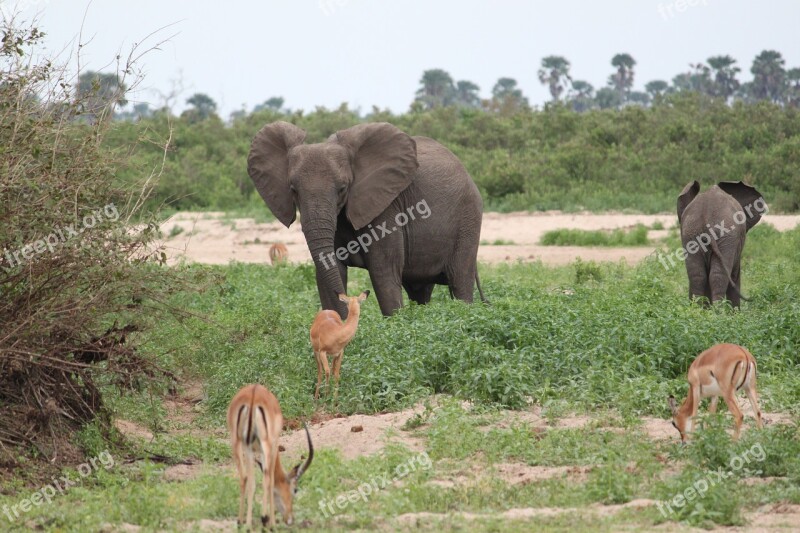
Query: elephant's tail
[[480, 290], [715, 249]]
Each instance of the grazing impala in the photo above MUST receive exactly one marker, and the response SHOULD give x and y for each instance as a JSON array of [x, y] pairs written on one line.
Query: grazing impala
[[721, 370], [278, 253], [330, 336], [255, 423]]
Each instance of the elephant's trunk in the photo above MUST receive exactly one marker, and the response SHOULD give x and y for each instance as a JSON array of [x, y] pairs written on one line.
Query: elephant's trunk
[[319, 232]]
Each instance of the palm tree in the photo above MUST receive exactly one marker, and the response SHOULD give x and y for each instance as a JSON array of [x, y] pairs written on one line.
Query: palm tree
[[792, 94], [555, 74], [656, 89], [724, 79], [203, 106], [274, 103], [608, 98], [581, 96], [467, 94], [639, 98], [768, 76], [436, 89], [622, 79], [506, 97], [698, 79]]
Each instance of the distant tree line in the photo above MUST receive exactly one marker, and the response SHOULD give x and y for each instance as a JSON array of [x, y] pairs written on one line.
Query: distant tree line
[[611, 148], [717, 78]]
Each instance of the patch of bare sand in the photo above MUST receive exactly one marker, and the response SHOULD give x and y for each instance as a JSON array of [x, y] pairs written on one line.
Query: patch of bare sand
[[132, 429], [208, 238], [214, 525], [522, 474], [184, 471], [511, 473], [774, 517], [524, 513], [378, 431]]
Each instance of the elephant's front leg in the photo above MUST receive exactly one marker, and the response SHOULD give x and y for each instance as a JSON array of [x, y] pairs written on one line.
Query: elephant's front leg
[[388, 291], [384, 261]]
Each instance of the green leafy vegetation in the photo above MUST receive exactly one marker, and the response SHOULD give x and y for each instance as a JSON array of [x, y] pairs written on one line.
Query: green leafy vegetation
[[634, 158], [600, 334]]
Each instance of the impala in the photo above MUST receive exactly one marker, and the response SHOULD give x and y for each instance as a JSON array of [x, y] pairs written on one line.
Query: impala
[[722, 370], [330, 335], [278, 253], [255, 423]]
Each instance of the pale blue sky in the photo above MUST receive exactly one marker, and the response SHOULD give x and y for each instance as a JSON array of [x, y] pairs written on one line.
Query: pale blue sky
[[324, 52]]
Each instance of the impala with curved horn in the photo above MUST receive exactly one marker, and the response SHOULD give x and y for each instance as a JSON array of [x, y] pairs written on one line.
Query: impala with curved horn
[[255, 422], [722, 370]]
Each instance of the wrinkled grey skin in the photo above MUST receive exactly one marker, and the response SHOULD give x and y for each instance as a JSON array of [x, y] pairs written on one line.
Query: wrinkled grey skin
[[734, 206], [354, 185]]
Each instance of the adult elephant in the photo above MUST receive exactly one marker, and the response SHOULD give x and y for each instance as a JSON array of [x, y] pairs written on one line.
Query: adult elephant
[[714, 225], [373, 197]]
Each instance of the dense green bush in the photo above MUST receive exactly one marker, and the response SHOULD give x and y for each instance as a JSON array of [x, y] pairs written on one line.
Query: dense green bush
[[635, 158], [599, 335]]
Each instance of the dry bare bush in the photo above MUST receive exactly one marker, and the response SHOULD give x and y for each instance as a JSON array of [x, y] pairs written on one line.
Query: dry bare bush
[[75, 273]]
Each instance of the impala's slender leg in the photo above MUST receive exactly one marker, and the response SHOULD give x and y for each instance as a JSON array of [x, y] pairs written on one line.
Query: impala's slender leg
[[730, 399], [712, 407], [323, 359], [337, 365], [251, 484], [238, 457], [318, 356], [753, 397]]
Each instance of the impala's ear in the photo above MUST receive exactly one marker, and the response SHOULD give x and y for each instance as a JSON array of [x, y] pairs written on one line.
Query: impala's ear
[[672, 405], [384, 161], [686, 196], [363, 295], [752, 202], [343, 298], [268, 166]]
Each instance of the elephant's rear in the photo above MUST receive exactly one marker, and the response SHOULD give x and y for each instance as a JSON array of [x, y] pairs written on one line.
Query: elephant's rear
[[456, 206]]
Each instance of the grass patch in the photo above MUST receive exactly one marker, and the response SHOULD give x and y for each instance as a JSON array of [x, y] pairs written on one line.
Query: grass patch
[[497, 242], [636, 236]]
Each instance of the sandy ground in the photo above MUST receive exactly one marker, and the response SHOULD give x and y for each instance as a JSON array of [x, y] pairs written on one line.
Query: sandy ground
[[360, 435], [211, 238]]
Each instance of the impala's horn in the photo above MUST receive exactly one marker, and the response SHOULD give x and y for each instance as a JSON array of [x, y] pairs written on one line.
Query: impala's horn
[[301, 468]]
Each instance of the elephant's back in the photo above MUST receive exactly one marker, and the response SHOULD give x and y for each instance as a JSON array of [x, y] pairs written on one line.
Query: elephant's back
[[441, 169], [710, 209]]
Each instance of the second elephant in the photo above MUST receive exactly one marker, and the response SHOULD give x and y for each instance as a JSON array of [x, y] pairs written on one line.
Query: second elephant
[[714, 225]]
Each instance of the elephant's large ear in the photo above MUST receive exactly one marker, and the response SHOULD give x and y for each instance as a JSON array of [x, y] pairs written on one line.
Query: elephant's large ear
[[384, 161], [749, 198], [686, 196], [268, 166]]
